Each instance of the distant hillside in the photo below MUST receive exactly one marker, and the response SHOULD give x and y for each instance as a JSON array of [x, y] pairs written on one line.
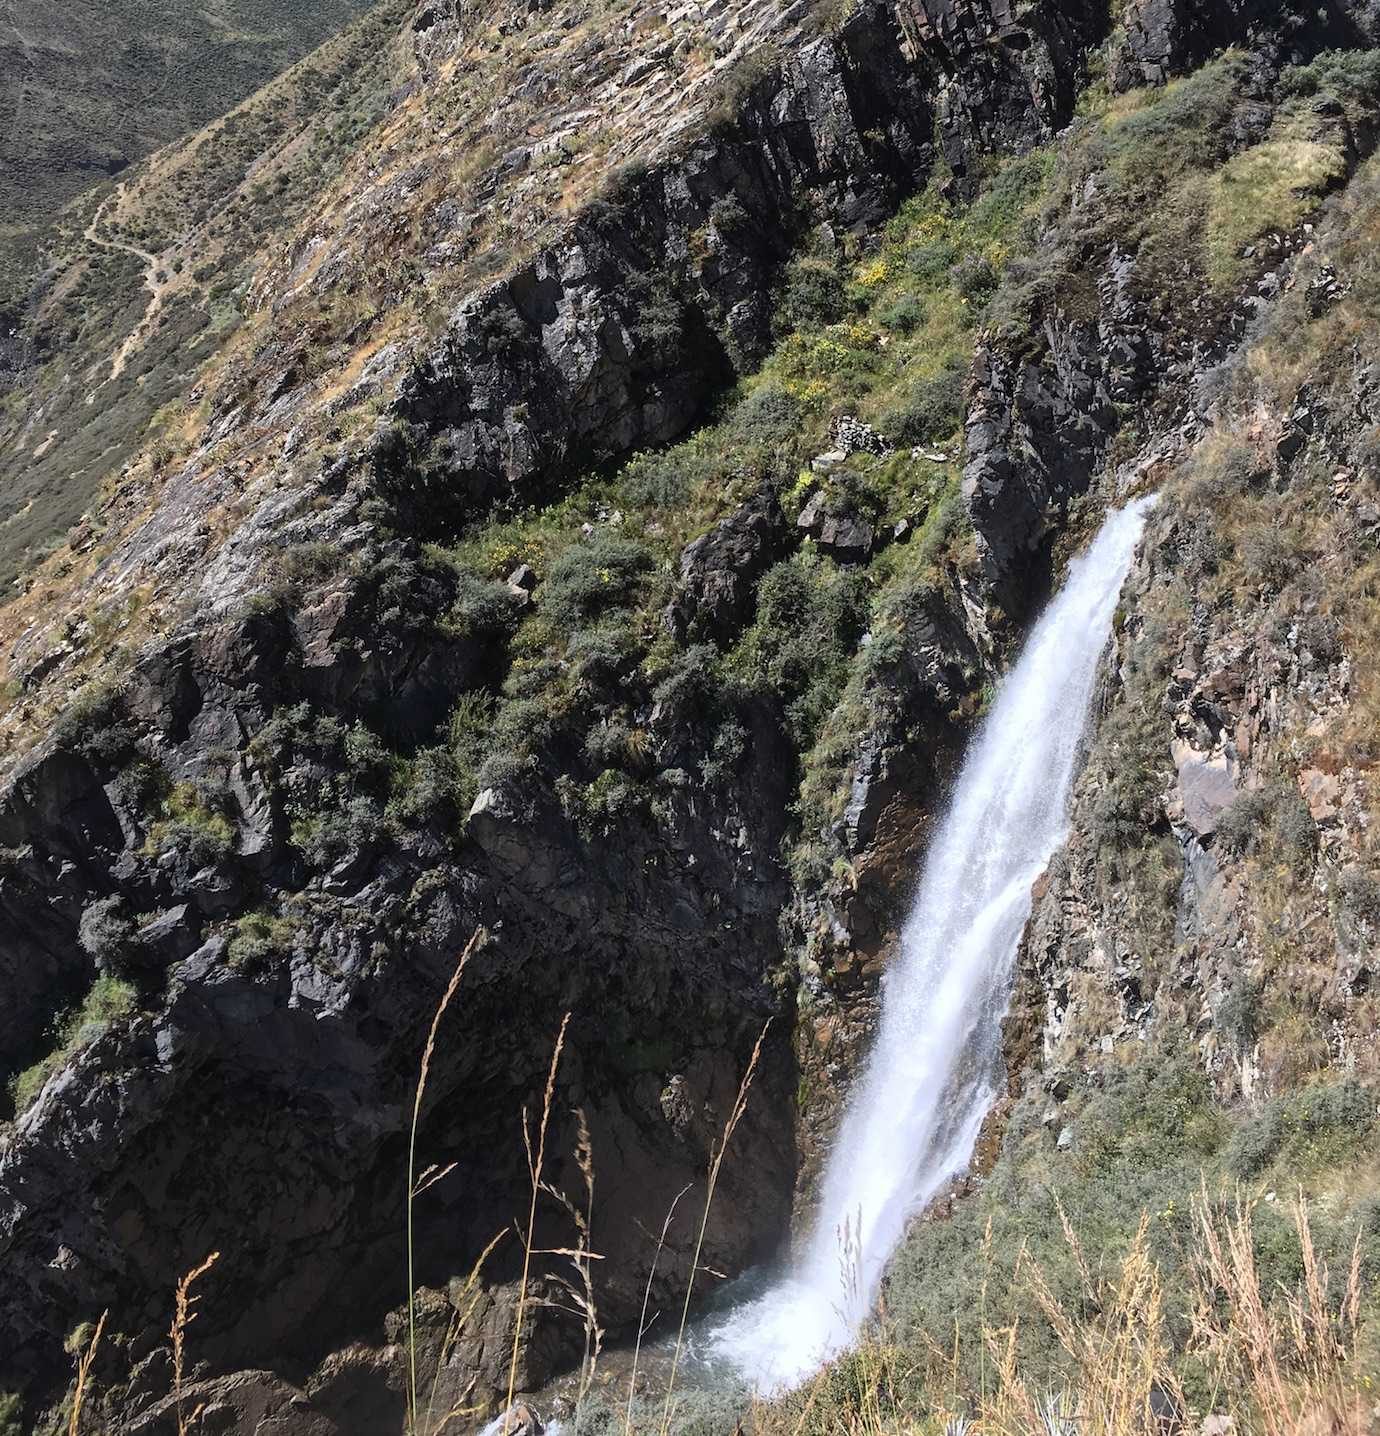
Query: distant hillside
[[143, 278], [90, 87]]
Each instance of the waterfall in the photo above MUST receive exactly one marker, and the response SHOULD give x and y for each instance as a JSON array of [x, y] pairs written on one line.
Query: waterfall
[[936, 1067]]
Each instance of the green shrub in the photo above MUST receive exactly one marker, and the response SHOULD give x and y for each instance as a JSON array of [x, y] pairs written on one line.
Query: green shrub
[[483, 608], [324, 835], [726, 750], [435, 782], [689, 690], [1319, 1126], [815, 294], [810, 616], [903, 315], [1348, 75], [260, 939], [1238, 1014], [660, 480], [1359, 893], [106, 932], [930, 410], [1272, 817], [602, 657], [974, 278], [590, 578], [769, 415], [190, 826], [1186, 125]]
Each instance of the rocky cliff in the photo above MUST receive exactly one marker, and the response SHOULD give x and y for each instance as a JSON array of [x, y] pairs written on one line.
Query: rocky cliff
[[415, 626]]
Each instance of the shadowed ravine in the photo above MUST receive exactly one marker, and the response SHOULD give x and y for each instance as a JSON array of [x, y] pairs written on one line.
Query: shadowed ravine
[[936, 1068]]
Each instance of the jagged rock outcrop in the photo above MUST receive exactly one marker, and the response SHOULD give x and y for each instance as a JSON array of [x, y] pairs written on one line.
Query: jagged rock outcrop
[[1163, 38], [613, 339], [719, 571]]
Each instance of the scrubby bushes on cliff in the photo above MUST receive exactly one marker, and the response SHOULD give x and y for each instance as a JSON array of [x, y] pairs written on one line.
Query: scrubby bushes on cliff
[[108, 1001], [590, 578], [1301, 1132], [107, 933], [1274, 817], [260, 938], [810, 616]]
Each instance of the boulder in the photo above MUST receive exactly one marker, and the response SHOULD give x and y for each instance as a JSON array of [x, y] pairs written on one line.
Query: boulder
[[169, 937], [843, 536], [1206, 790], [719, 571]]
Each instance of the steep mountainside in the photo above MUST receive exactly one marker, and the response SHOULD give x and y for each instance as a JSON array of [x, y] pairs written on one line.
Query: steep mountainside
[[70, 119], [637, 447]]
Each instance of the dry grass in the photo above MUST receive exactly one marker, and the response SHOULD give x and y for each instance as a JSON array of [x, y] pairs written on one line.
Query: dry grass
[[1279, 1363], [578, 1293], [643, 1325], [716, 1160], [536, 1160], [183, 1317], [419, 1182], [84, 1376]]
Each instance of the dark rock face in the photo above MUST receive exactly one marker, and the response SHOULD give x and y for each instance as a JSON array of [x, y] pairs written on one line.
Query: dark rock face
[[262, 1112], [1166, 37], [1008, 75], [616, 338]]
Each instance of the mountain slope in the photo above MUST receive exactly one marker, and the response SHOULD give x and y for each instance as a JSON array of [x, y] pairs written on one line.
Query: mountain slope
[[69, 122], [603, 528]]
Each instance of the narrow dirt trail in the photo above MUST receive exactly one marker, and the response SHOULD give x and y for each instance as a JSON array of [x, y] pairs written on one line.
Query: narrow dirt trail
[[151, 283]]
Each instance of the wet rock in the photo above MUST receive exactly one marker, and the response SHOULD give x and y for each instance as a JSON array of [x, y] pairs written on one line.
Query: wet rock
[[519, 1419]]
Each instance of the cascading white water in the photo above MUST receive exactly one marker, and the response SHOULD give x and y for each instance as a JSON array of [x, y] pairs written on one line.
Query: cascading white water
[[936, 1067]]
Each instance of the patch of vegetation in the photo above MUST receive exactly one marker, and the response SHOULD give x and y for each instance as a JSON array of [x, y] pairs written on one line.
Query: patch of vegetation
[[597, 703], [192, 822], [109, 1002], [260, 939], [1301, 1133]]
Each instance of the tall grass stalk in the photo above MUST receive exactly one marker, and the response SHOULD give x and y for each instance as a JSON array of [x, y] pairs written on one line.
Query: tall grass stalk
[[463, 1308], [83, 1375], [646, 1301], [416, 1184], [580, 1292], [183, 1317], [715, 1166], [536, 1160]]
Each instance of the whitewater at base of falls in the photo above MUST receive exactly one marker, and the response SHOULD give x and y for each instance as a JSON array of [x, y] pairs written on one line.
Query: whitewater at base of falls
[[936, 1067]]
